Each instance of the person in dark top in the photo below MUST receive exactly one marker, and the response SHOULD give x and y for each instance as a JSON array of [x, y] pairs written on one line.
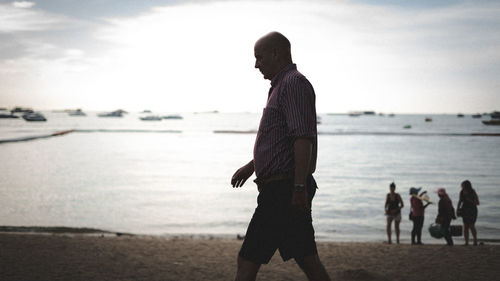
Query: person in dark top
[[417, 215], [445, 214], [284, 161], [392, 207], [467, 209]]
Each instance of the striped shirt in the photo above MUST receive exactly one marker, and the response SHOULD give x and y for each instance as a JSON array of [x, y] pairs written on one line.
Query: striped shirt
[[290, 113]]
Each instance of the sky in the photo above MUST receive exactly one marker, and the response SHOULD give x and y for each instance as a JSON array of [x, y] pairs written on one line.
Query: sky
[[184, 56]]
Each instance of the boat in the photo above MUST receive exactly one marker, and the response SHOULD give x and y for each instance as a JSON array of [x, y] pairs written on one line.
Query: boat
[[492, 122], [116, 113], [428, 119], [495, 115], [151, 118], [407, 127], [77, 112], [460, 115], [2, 115], [34, 116], [21, 110], [173, 117], [478, 115]]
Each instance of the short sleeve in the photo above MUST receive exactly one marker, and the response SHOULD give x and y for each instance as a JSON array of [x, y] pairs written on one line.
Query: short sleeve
[[298, 104]]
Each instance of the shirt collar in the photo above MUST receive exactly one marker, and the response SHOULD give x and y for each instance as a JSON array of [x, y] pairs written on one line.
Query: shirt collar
[[282, 72]]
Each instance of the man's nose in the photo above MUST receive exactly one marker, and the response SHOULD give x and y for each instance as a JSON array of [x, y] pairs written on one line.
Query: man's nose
[[256, 64]]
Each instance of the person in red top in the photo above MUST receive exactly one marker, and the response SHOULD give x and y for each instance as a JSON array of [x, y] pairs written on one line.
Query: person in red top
[[417, 215], [284, 160]]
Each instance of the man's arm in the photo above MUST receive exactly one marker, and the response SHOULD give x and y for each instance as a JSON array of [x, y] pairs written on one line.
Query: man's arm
[[302, 149], [242, 174]]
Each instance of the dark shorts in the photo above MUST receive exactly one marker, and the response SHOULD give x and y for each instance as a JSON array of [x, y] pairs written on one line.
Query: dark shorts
[[276, 225], [469, 215]]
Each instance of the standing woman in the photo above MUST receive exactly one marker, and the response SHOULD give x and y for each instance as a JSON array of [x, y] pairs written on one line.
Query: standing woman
[[467, 208], [445, 214], [393, 206], [417, 215]]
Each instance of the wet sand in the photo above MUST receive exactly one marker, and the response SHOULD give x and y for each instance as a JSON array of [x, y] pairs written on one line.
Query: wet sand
[[37, 256]]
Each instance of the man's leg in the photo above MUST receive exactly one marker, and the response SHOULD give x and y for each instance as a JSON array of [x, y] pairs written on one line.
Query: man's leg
[[247, 270], [313, 268]]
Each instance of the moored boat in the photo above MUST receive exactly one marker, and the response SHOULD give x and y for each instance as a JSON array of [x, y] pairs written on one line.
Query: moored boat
[[172, 117], [492, 122], [77, 112], [116, 113], [21, 110], [2, 115], [34, 116], [151, 118]]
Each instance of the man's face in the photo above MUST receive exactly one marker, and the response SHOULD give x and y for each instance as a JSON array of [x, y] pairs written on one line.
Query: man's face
[[264, 60]]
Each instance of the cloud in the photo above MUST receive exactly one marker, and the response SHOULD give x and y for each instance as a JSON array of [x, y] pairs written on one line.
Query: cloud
[[18, 17], [199, 56], [23, 4]]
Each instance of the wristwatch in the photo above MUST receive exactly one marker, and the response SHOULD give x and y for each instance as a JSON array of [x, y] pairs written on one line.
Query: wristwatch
[[298, 187]]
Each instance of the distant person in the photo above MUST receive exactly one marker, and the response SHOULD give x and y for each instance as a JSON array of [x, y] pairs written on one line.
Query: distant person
[[417, 215], [392, 207], [284, 160], [467, 209], [446, 213]]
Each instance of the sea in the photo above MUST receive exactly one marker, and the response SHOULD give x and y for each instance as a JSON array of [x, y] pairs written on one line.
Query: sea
[[172, 177]]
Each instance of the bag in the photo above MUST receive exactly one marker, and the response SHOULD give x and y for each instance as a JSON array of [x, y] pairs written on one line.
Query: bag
[[410, 216], [436, 230], [456, 230]]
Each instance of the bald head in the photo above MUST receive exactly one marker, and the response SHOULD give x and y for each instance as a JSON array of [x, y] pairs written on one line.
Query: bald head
[[277, 41], [272, 53]]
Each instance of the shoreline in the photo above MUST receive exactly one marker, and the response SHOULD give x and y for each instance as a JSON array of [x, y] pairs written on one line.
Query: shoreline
[[64, 230], [36, 256]]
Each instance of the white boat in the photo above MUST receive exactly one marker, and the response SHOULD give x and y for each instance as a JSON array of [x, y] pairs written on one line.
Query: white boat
[[151, 118], [34, 116], [77, 112], [172, 117], [117, 113]]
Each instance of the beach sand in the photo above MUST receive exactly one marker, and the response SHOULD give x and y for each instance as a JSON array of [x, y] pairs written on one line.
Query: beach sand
[[110, 257]]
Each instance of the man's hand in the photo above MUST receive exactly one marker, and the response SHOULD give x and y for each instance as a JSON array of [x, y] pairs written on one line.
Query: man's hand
[[299, 201], [242, 174]]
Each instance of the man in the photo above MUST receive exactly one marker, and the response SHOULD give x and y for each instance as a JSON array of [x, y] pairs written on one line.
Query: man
[[284, 159]]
